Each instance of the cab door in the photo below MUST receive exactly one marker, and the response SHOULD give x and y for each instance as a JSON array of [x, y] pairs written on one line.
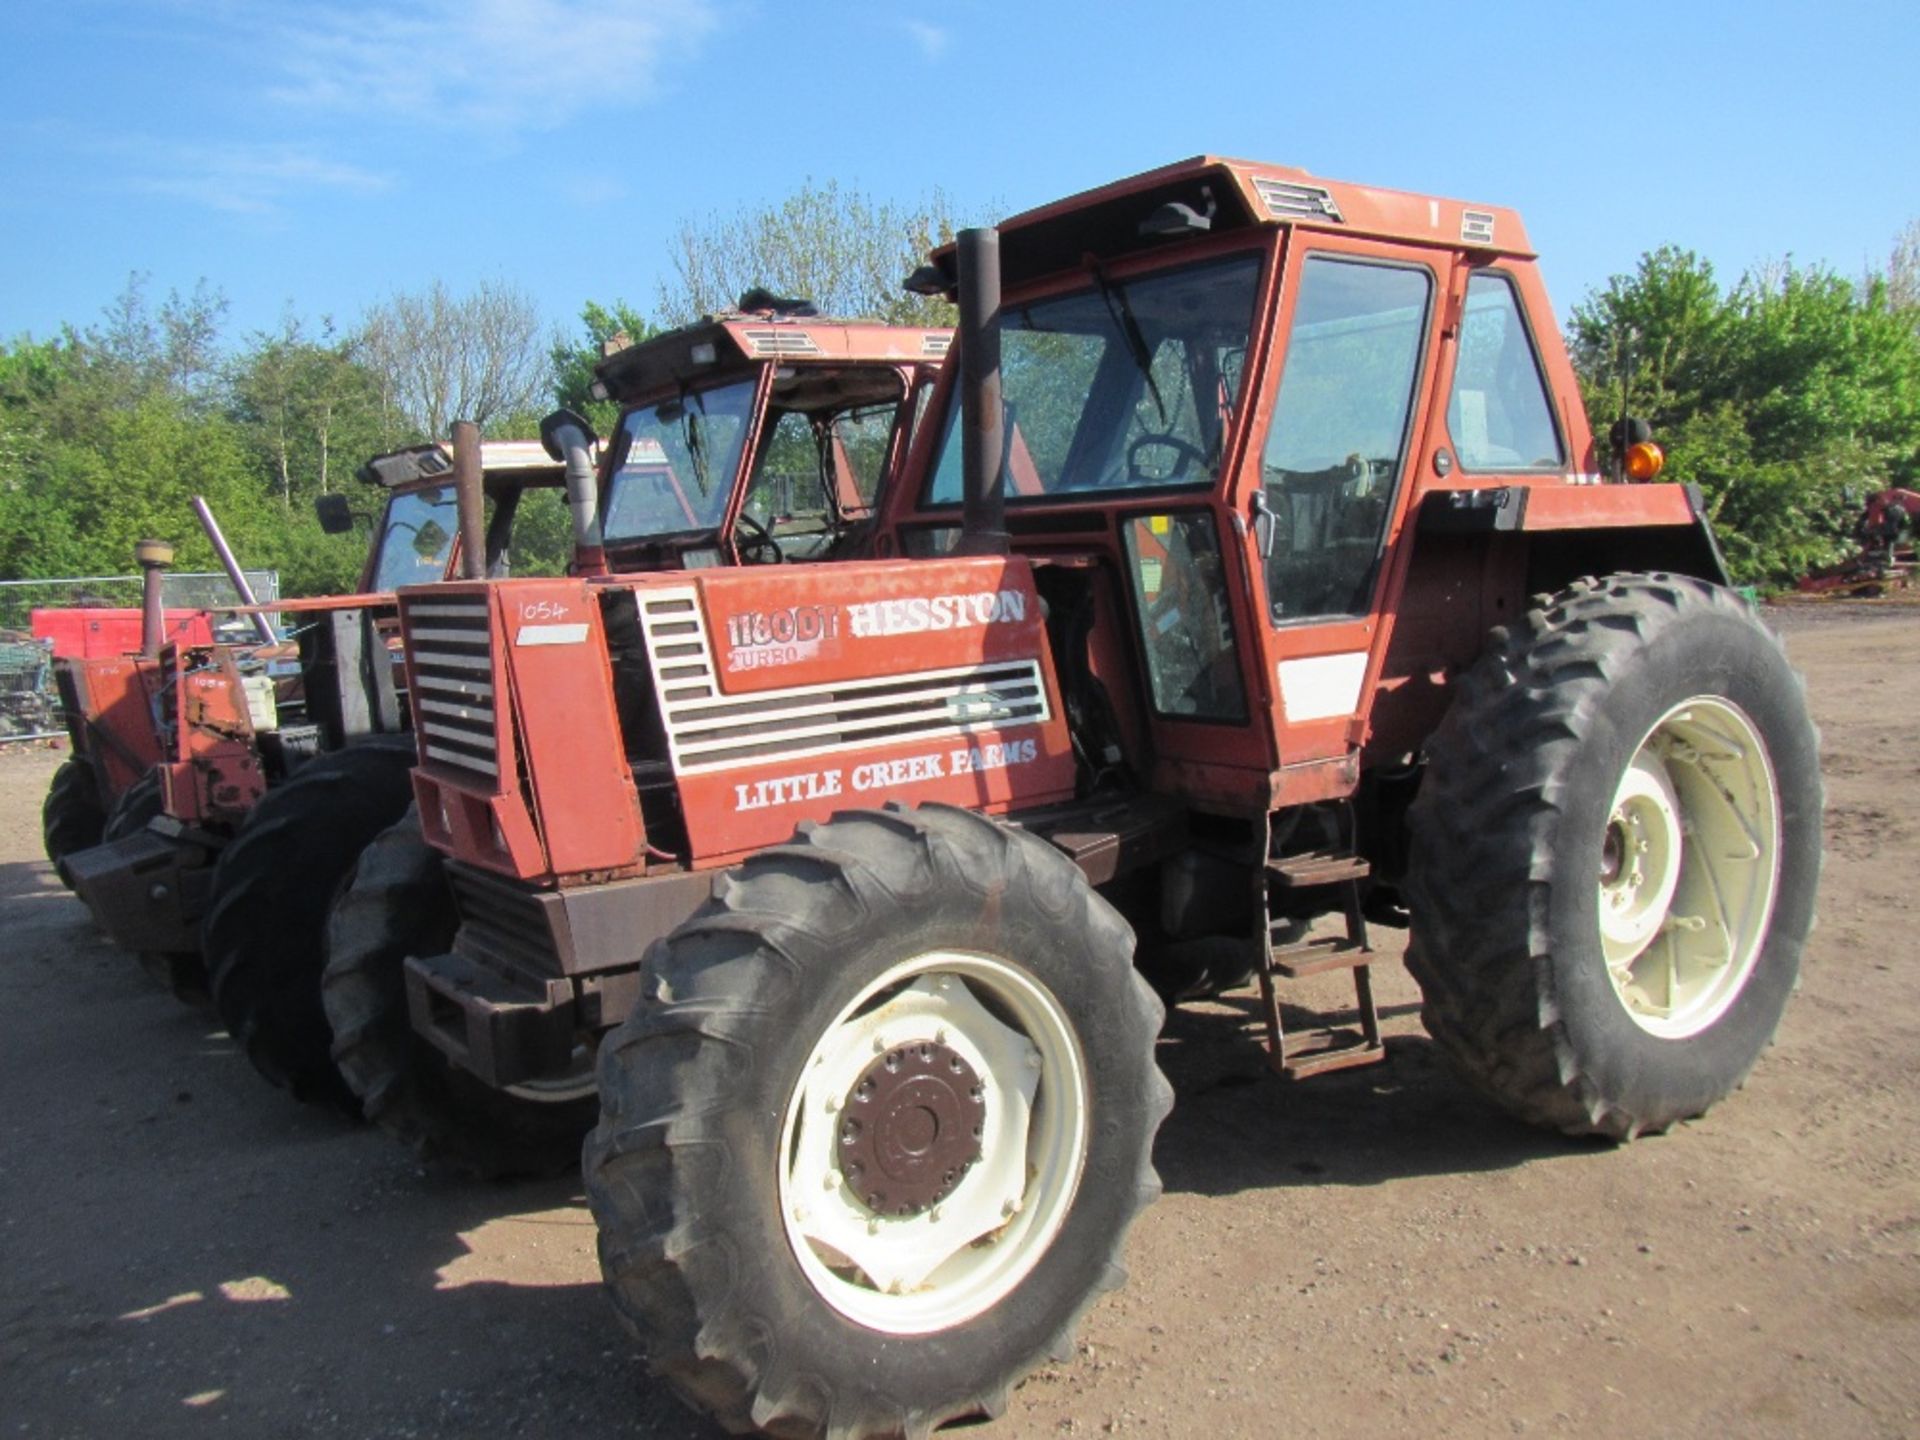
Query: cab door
[[1341, 421]]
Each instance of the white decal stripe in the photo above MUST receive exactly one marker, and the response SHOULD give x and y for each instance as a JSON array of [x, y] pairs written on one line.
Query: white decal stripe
[[551, 634], [1322, 686]]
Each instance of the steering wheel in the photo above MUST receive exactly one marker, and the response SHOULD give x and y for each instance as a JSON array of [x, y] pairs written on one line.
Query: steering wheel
[[1187, 451], [759, 547]]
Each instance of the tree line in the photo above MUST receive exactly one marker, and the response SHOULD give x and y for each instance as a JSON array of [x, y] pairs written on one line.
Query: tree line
[[1787, 396]]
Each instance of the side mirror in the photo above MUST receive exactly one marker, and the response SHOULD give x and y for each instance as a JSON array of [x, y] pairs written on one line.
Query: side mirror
[[430, 539], [335, 514]]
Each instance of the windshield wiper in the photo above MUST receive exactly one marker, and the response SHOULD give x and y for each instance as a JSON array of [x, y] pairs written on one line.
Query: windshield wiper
[[1129, 326], [696, 447]]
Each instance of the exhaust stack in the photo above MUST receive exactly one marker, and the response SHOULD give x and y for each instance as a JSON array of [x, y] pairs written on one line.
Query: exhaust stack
[[570, 438], [983, 436], [154, 557], [261, 625], [470, 500]]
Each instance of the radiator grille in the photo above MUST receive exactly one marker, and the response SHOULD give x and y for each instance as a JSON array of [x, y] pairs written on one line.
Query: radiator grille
[[502, 924], [453, 703], [709, 731]]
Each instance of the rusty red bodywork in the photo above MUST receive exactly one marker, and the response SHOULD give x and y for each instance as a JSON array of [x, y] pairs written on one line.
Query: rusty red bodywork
[[573, 783]]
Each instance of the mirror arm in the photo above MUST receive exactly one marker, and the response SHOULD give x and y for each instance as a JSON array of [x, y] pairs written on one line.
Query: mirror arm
[[1266, 524]]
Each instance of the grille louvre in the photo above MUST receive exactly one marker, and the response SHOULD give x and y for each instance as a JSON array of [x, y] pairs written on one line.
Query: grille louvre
[[1289, 200], [502, 924], [780, 342], [708, 731], [450, 640]]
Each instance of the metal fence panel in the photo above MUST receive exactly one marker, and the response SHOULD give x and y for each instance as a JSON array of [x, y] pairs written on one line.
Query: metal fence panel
[[29, 705]]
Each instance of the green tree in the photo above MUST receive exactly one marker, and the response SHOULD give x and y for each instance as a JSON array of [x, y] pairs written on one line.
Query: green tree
[[1651, 343], [310, 409], [1786, 399], [839, 248], [608, 328]]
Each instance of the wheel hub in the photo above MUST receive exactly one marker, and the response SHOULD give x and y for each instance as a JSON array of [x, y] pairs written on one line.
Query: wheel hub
[[1688, 864], [911, 1127]]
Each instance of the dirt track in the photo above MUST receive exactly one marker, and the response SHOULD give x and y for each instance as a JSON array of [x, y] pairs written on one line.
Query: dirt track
[[186, 1252]]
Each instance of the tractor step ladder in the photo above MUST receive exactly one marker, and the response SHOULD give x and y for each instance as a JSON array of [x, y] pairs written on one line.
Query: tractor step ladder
[[1284, 957]]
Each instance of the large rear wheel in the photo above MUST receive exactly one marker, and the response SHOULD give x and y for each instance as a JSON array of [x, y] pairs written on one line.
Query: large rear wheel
[[1616, 849], [398, 904], [265, 930], [871, 1142]]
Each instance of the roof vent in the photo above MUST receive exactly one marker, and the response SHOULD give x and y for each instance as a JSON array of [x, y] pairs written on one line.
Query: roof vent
[[781, 341], [1476, 227], [1286, 200]]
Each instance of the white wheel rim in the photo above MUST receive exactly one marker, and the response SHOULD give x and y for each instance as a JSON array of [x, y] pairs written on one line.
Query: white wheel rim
[[576, 1082], [1689, 862], [914, 1274]]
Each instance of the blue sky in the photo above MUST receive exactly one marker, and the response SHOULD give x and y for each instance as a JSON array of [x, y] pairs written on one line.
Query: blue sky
[[328, 153]]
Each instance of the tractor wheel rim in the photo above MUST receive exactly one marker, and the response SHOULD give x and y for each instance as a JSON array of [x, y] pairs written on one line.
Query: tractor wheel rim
[[940, 1248], [1689, 862], [576, 1082]]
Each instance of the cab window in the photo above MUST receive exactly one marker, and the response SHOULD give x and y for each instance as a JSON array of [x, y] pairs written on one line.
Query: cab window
[[1499, 416], [1339, 433], [1186, 624]]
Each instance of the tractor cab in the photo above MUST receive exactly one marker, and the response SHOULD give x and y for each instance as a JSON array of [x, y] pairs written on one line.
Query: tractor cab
[[757, 438], [1229, 391], [416, 539]]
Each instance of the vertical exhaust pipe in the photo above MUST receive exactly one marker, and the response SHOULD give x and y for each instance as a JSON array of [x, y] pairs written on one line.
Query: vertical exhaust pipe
[[470, 500], [154, 557], [569, 438], [261, 626], [983, 435]]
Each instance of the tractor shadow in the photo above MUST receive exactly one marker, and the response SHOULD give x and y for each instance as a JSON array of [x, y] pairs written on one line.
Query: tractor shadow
[[190, 1253], [1237, 1126]]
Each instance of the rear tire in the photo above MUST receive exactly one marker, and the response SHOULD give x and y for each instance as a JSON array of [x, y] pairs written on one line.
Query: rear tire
[[72, 818], [265, 932], [182, 973], [1615, 852], [798, 1263], [397, 904]]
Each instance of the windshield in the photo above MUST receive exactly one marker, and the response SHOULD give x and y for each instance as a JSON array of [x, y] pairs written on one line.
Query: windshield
[[1121, 386], [417, 539], [677, 463]]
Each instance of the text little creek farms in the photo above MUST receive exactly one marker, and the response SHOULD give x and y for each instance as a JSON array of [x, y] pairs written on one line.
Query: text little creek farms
[[881, 774]]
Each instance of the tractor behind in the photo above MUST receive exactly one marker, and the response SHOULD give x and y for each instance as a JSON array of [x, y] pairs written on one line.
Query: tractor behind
[[748, 439]]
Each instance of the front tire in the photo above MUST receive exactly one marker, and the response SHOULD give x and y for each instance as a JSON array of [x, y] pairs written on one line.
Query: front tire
[[872, 1142], [264, 936], [1616, 847], [182, 973], [398, 904], [72, 818]]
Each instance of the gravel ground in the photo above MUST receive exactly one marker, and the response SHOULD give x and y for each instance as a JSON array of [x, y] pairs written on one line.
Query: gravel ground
[[189, 1253]]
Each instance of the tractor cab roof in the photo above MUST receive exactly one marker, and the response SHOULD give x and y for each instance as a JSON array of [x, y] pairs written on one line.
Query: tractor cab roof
[[738, 341], [1213, 195], [504, 465]]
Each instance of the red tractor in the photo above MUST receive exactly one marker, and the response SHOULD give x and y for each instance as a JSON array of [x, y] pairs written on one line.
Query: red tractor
[[778, 455], [1885, 560], [175, 748], [1254, 567]]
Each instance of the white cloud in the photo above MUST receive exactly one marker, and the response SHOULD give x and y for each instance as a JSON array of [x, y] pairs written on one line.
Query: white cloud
[[497, 65], [241, 179], [932, 39]]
